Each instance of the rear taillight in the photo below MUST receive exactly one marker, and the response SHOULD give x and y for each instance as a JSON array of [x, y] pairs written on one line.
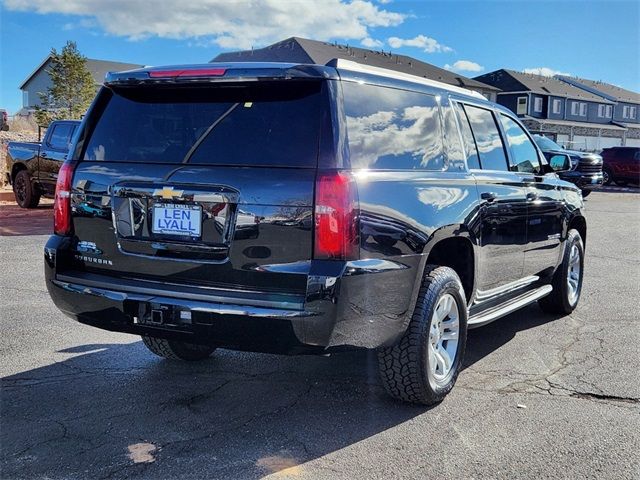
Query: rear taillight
[[62, 203], [336, 217]]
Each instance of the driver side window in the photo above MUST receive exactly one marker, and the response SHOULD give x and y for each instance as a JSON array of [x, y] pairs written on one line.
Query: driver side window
[[524, 155]]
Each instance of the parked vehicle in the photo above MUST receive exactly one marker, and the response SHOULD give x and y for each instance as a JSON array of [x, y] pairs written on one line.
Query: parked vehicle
[[4, 120], [416, 235], [621, 165], [32, 167], [586, 168]]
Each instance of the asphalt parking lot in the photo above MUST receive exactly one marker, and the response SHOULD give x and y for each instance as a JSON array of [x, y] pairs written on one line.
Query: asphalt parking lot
[[540, 397]]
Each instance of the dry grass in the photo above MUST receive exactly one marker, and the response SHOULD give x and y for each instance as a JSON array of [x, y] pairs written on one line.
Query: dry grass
[[23, 125], [21, 129]]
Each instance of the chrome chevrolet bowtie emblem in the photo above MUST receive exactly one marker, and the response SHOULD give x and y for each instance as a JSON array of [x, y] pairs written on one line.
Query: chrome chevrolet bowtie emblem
[[167, 193]]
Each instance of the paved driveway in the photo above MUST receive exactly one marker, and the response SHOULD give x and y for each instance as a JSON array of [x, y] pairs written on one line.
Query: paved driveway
[[540, 397]]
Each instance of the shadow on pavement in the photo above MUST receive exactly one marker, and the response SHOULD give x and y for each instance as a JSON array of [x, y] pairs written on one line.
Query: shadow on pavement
[[16, 221], [115, 410]]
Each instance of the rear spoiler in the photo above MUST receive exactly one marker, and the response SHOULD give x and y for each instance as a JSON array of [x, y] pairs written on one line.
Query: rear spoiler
[[220, 72]]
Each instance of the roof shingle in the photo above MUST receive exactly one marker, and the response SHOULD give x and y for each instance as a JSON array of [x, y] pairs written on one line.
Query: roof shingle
[[303, 50]]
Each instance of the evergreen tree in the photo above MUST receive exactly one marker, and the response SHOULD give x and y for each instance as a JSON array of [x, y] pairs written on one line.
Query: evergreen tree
[[72, 87]]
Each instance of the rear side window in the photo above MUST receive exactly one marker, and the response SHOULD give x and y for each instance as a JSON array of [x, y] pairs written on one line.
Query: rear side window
[[473, 160], [391, 129], [263, 125], [487, 136], [60, 136], [524, 155]]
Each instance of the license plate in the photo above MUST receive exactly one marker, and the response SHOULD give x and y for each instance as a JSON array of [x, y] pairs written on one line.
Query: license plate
[[177, 219]]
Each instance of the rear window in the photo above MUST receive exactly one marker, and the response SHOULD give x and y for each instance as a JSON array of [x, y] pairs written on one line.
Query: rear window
[[265, 125], [61, 136]]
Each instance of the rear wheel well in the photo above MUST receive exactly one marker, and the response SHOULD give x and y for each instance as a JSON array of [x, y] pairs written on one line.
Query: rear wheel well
[[15, 169], [580, 224], [455, 253]]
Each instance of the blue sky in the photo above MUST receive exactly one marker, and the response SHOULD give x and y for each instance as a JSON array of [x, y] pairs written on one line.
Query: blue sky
[[598, 40]]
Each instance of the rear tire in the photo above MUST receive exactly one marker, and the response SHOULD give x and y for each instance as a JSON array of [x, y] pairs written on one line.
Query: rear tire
[[567, 288], [175, 350], [24, 191], [409, 369]]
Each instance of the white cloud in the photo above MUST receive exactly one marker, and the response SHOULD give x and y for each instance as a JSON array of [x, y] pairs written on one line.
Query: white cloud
[[464, 66], [428, 44], [228, 24], [545, 71], [371, 42]]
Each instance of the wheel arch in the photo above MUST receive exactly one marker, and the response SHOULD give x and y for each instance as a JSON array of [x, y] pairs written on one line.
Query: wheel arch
[[579, 223], [454, 246]]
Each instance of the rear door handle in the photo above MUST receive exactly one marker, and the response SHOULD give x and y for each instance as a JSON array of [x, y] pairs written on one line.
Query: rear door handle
[[488, 196], [43, 154], [531, 196]]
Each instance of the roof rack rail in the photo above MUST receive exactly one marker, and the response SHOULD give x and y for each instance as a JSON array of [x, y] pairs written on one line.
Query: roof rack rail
[[352, 66]]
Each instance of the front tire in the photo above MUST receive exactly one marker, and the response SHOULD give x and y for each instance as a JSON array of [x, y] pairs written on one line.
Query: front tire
[[586, 193], [175, 350], [24, 191], [607, 177], [423, 365], [567, 281]]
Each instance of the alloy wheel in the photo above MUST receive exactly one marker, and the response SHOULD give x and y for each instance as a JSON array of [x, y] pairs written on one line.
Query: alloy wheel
[[573, 274], [444, 331]]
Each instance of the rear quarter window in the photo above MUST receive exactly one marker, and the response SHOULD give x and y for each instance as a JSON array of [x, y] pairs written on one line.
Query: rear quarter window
[[392, 129], [259, 125]]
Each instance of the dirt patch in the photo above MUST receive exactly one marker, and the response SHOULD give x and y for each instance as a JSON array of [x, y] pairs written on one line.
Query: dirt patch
[[16, 221]]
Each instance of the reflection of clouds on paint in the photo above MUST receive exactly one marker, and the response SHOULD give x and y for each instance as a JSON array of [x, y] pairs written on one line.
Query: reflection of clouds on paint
[[412, 133], [441, 197]]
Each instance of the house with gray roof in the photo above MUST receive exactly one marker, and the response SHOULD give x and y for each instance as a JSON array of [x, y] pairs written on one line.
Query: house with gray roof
[[626, 108], [39, 80], [303, 50], [573, 116]]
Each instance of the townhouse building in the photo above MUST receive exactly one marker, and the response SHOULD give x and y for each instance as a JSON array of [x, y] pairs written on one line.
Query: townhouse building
[[573, 116]]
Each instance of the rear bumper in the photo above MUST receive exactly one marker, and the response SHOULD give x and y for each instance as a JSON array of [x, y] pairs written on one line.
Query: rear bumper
[[362, 304]]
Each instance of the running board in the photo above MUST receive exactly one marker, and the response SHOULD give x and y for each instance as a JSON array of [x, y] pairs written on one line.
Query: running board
[[512, 305]]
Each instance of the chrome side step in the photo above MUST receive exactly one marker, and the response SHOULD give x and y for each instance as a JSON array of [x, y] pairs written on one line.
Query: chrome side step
[[506, 308]]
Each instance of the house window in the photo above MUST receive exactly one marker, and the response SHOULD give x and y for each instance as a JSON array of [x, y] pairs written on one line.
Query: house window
[[601, 111], [25, 98], [556, 105], [625, 111], [609, 111], [632, 112], [537, 104], [522, 106], [583, 109], [575, 108]]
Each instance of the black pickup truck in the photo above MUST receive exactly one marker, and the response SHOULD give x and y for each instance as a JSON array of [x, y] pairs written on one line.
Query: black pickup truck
[[305, 209], [32, 167], [586, 168]]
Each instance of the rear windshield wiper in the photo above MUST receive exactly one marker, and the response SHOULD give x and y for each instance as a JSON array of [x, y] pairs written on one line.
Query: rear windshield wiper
[[206, 133]]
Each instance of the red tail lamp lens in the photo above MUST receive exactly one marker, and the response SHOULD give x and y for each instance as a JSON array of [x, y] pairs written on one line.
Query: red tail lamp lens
[[62, 203], [336, 229]]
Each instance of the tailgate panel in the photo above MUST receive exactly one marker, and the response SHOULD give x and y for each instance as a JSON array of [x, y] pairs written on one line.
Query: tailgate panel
[[256, 224]]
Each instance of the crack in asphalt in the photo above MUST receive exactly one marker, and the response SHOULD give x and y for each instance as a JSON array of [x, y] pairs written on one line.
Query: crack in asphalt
[[543, 383]]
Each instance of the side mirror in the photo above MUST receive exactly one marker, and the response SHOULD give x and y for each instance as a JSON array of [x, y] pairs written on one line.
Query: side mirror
[[560, 162]]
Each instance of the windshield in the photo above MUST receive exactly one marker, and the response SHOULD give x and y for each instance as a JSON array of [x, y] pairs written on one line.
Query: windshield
[[546, 143], [266, 124]]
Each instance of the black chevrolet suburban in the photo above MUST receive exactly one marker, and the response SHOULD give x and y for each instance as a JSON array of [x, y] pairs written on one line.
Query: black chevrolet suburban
[[294, 208]]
